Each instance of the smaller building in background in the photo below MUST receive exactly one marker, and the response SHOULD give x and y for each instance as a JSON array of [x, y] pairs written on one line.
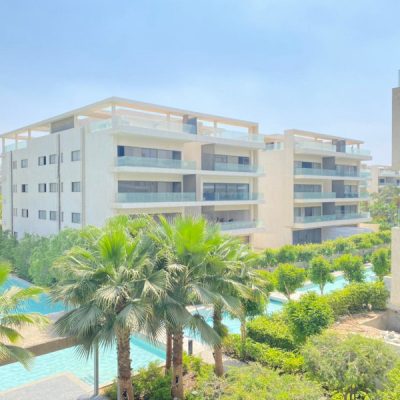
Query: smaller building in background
[[380, 176], [313, 186]]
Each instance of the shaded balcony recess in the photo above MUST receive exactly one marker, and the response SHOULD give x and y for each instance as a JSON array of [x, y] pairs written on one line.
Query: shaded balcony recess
[[324, 172], [130, 197], [329, 195], [232, 225], [221, 196], [151, 162], [330, 217]]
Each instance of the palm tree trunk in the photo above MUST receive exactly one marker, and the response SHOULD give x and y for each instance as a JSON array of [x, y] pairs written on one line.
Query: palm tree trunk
[[177, 364], [217, 325], [168, 356], [124, 365]]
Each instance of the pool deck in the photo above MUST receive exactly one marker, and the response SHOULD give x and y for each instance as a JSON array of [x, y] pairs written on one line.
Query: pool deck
[[65, 386], [44, 340]]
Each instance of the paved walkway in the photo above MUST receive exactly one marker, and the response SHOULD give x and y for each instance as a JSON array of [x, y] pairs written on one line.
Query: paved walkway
[[64, 386]]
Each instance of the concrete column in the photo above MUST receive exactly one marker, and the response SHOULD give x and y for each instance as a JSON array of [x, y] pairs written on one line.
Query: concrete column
[[395, 281]]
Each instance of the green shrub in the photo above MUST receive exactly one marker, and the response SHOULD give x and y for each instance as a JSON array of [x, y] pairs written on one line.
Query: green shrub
[[260, 352], [255, 382], [343, 245], [272, 331], [391, 390], [320, 272], [197, 366], [149, 383], [287, 254], [381, 262], [288, 278], [308, 316], [358, 297], [352, 267], [268, 258], [348, 364]]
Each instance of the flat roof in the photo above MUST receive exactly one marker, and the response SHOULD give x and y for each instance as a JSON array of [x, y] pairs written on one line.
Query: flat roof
[[316, 135], [92, 109]]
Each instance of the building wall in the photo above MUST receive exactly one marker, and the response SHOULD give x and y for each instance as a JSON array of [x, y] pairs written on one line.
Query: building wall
[[396, 128]]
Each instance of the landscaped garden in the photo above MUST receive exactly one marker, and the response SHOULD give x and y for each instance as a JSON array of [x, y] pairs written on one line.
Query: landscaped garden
[[141, 276]]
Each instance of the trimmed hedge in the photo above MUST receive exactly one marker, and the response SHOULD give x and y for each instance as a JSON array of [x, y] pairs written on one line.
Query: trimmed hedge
[[272, 331], [265, 355]]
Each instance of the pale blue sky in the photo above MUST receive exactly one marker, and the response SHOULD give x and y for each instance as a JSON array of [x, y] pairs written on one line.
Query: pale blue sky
[[320, 65]]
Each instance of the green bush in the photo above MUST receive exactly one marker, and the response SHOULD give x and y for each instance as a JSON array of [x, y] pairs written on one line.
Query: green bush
[[287, 254], [149, 383], [272, 331], [260, 352], [320, 272], [348, 364], [381, 262], [358, 297], [352, 267], [288, 278], [308, 316], [391, 390], [255, 382]]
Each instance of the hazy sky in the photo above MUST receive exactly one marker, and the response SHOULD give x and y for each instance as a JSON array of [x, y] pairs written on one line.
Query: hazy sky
[[320, 65]]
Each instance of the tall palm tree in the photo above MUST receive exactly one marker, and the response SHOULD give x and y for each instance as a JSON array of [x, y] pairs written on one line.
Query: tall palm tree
[[185, 244], [110, 286], [13, 319]]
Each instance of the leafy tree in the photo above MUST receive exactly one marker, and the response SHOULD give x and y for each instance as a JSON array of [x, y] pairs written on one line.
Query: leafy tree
[[286, 254], [12, 320], [320, 272], [288, 278], [352, 267], [110, 286], [381, 262], [384, 207], [8, 244], [308, 316], [348, 364]]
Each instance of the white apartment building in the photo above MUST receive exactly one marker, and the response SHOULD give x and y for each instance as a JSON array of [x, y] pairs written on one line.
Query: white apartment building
[[380, 176], [119, 156], [396, 127], [312, 186]]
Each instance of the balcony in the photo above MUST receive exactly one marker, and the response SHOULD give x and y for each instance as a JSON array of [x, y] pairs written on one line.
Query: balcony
[[314, 195], [226, 196], [321, 147], [328, 218], [227, 167], [150, 162], [235, 225], [155, 197], [319, 172]]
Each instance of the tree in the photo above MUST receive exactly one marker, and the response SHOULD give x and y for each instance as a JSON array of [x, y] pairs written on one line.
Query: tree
[[186, 245], [352, 267], [308, 316], [384, 207], [286, 254], [11, 322], [288, 278], [348, 364], [320, 272], [381, 262], [110, 286]]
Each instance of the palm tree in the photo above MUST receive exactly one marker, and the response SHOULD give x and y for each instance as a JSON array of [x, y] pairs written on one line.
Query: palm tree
[[185, 244], [12, 319], [110, 286]]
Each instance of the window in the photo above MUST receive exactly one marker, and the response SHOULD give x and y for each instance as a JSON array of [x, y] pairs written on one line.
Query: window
[[42, 187], [24, 188], [24, 163], [42, 214], [14, 188], [42, 160], [53, 187], [15, 212], [53, 215], [75, 155], [75, 186], [53, 159], [14, 165], [24, 213], [76, 218]]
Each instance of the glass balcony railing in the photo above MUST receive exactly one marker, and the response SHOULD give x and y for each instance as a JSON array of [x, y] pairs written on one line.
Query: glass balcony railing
[[236, 167], [173, 126], [331, 217], [331, 148], [155, 197], [153, 162], [232, 225], [274, 146], [231, 196], [314, 195], [22, 144], [324, 172]]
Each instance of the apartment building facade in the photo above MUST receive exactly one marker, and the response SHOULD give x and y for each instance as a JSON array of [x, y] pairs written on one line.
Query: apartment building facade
[[119, 156], [396, 127], [312, 186], [381, 176]]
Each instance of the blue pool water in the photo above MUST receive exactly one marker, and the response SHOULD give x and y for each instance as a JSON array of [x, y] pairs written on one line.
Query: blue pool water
[[13, 375]]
